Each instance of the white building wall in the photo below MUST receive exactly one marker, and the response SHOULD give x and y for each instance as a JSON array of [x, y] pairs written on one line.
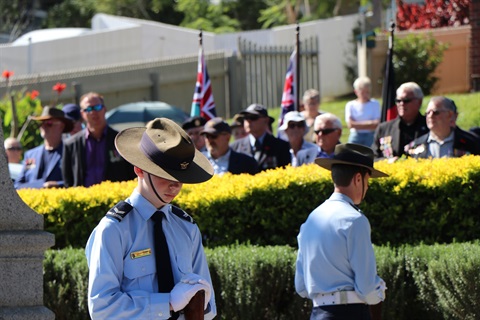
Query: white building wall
[[116, 40]]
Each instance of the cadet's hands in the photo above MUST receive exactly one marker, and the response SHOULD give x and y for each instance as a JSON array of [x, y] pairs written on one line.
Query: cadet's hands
[[184, 291]]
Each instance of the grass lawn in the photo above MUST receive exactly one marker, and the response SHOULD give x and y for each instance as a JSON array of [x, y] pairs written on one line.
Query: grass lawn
[[468, 105]]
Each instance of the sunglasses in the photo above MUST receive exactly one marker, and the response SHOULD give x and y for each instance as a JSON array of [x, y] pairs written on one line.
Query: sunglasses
[[49, 123], [211, 136], [434, 112], [292, 125], [14, 149], [325, 131], [405, 101], [251, 118], [89, 109]]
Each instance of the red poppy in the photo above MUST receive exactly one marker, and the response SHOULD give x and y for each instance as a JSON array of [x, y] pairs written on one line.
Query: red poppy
[[7, 74], [59, 87], [32, 95]]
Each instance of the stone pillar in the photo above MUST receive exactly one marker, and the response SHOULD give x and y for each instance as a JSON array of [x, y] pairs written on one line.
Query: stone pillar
[[22, 246], [475, 45]]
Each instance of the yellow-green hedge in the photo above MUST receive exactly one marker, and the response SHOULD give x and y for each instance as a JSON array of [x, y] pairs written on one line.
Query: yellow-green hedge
[[422, 201]]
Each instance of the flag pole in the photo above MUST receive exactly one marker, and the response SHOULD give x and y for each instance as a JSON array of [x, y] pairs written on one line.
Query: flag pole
[[296, 106], [200, 38], [388, 91]]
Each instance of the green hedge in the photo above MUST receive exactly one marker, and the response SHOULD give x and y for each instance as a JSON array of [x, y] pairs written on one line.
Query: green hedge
[[421, 202], [251, 282]]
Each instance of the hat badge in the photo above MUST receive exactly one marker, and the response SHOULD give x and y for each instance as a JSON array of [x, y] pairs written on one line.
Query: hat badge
[[184, 165]]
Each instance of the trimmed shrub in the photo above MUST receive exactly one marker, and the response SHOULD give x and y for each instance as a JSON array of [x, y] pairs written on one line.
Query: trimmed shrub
[[256, 283], [251, 282], [65, 277], [429, 201]]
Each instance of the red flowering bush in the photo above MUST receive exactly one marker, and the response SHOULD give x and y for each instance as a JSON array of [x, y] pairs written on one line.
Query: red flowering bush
[[27, 104], [433, 14]]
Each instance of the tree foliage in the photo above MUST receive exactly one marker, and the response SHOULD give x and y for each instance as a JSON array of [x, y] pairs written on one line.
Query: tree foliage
[[202, 14], [416, 58], [15, 17]]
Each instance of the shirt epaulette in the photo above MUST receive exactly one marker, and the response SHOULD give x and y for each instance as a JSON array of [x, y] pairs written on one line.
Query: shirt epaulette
[[182, 214], [120, 210]]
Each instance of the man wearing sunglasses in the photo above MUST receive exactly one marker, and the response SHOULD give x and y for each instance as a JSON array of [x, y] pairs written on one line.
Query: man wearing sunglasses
[[392, 136], [13, 149], [445, 139], [90, 156], [268, 151], [42, 165], [217, 135], [327, 132]]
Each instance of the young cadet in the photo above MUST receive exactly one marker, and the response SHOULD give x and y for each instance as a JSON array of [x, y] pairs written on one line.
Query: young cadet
[[145, 257], [335, 265]]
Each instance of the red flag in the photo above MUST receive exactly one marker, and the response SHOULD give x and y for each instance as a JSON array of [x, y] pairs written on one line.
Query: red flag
[[389, 108], [289, 89], [203, 104]]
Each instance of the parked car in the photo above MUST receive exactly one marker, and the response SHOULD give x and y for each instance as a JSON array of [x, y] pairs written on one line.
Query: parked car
[[137, 114]]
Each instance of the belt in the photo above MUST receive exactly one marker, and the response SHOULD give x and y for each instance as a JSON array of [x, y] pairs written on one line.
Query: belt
[[337, 297]]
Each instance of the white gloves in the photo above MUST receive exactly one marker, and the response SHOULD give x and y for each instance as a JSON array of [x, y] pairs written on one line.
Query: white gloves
[[184, 291]]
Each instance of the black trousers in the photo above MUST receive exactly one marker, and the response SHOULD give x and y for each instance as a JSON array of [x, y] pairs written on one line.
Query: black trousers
[[356, 311]]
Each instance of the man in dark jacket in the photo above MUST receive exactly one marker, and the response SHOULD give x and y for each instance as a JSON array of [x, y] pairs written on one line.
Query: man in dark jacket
[[268, 151], [445, 139], [392, 136], [223, 159], [90, 156]]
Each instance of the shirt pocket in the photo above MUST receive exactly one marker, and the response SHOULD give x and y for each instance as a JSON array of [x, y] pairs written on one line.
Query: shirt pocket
[[184, 264], [140, 273]]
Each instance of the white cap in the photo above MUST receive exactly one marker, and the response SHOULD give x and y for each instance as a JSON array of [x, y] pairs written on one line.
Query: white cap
[[294, 116]]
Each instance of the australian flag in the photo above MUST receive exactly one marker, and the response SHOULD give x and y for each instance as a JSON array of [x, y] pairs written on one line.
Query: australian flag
[[289, 91], [203, 104]]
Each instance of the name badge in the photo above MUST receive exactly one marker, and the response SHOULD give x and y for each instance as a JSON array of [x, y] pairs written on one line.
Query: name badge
[[140, 254]]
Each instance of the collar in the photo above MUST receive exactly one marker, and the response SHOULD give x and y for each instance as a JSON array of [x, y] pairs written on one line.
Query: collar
[[440, 142], [252, 139], [145, 208], [337, 196], [226, 156], [88, 134]]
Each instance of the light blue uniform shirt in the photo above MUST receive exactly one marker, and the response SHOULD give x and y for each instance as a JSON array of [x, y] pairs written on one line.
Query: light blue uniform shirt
[[335, 252], [123, 287]]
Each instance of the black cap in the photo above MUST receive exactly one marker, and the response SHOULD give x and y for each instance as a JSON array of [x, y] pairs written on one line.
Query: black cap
[[216, 126], [256, 109], [193, 122]]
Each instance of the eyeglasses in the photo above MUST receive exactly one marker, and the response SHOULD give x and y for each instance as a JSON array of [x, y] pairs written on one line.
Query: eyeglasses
[[325, 131], [14, 149], [434, 112], [292, 125], [405, 101], [251, 118], [214, 136], [89, 109]]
